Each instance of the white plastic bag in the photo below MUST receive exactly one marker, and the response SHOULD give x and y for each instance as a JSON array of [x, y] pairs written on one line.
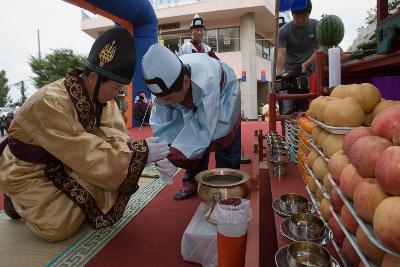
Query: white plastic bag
[[232, 215], [199, 241]]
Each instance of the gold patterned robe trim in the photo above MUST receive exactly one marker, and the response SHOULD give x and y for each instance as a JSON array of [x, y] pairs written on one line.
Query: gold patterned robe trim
[[81, 99], [81, 197]]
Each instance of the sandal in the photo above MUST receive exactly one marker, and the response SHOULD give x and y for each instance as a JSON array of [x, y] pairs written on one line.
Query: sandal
[[181, 195], [189, 189]]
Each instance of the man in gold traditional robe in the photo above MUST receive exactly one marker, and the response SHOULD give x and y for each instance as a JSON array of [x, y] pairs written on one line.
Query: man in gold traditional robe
[[69, 157]]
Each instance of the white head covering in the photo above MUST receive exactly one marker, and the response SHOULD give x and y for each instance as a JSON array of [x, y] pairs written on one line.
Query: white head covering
[[197, 22], [160, 68]]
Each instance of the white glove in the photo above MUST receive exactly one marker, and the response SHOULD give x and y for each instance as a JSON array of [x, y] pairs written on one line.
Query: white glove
[[167, 170], [157, 150], [152, 139]]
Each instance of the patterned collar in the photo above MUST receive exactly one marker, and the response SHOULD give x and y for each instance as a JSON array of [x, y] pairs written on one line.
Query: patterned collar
[[81, 99], [198, 45]]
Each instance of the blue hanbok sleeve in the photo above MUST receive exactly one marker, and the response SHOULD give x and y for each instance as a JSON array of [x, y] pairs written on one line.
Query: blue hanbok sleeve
[[166, 122]]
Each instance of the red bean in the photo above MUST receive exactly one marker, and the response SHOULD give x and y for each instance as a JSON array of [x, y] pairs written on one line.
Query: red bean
[[233, 201]]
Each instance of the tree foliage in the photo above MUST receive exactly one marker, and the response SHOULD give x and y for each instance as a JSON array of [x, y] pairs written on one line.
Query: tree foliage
[[4, 88], [367, 33], [54, 66], [22, 90]]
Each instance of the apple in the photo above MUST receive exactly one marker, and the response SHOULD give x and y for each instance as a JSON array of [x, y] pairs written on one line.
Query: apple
[[386, 222], [365, 152], [396, 135], [385, 122], [336, 164], [338, 234], [336, 201], [348, 220], [349, 253], [367, 196], [387, 170], [390, 261], [349, 179], [352, 136], [369, 248]]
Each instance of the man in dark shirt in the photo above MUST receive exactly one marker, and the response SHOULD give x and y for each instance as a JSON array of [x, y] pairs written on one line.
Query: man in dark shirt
[[297, 48]]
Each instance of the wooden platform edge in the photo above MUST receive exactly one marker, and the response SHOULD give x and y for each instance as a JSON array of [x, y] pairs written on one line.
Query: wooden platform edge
[[253, 242]]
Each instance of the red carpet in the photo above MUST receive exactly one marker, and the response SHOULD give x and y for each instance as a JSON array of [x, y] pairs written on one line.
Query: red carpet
[[153, 238]]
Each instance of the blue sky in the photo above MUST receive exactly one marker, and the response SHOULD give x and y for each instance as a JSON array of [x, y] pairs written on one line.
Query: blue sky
[[59, 24]]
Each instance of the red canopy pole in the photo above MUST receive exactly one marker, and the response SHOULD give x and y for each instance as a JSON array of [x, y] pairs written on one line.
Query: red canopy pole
[[272, 99]]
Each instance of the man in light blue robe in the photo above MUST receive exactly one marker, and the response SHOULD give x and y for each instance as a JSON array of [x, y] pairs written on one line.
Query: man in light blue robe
[[196, 45], [196, 110]]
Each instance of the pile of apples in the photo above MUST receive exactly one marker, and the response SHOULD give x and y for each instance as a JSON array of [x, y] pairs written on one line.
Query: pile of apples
[[368, 173]]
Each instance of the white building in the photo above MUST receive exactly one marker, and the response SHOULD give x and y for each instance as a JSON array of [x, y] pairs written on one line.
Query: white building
[[241, 33]]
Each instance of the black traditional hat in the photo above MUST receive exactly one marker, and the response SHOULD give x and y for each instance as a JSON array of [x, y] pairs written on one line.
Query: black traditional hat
[[197, 22], [113, 55]]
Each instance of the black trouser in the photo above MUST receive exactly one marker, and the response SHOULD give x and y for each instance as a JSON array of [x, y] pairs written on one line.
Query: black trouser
[[225, 158]]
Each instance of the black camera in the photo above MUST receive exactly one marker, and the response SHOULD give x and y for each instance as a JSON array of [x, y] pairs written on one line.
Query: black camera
[[294, 82]]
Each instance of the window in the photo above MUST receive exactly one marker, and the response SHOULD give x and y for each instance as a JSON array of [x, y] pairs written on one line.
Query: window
[[259, 46], [174, 40], [210, 38], [263, 47], [228, 40], [266, 50], [220, 40]]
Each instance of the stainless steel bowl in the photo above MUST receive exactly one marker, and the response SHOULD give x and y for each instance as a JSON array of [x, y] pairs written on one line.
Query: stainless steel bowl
[[307, 254], [278, 147], [280, 157], [275, 142], [293, 203], [307, 227]]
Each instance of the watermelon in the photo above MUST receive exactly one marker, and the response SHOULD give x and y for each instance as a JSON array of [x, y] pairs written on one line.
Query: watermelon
[[330, 31]]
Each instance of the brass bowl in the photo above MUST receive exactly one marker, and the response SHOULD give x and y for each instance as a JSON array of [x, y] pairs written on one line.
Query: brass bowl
[[221, 183], [293, 203], [306, 254], [305, 226]]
